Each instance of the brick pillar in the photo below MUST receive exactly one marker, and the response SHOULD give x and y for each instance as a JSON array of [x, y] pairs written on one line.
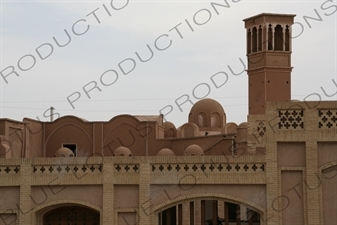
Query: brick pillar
[[312, 183], [25, 193], [221, 209], [108, 194], [178, 214], [186, 212], [273, 201], [197, 212], [153, 218], [243, 212], [145, 210]]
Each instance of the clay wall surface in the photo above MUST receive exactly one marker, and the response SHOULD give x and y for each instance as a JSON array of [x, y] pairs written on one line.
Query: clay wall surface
[[39, 185]]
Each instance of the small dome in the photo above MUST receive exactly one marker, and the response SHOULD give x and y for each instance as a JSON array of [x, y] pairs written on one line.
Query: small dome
[[122, 151], [243, 125], [207, 106], [193, 150], [168, 125], [207, 113], [165, 152], [242, 132], [231, 128], [64, 152]]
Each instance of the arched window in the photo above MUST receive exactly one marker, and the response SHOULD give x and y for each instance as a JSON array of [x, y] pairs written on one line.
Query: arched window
[[170, 133], [270, 37], [169, 216], [249, 41], [278, 38], [189, 131], [202, 120], [71, 215], [254, 39], [215, 120], [260, 39], [210, 212]]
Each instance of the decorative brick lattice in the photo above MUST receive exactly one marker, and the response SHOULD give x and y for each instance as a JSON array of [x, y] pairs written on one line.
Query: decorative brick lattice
[[222, 168], [291, 119], [327, 119], [48, 169], [261, 129], [5, 170], [126, 168]]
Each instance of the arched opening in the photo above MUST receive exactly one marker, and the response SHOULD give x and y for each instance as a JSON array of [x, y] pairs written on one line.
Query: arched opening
[[249, 42], [278, 38], [270, 37], [254, 39], [168, 216], [215, 120], [202, 120], [209, 212], [188, 131], [71, 215], [260, 39], [170, 133]]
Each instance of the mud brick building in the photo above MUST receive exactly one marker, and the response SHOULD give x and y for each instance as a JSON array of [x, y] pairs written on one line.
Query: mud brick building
[[278, 168]]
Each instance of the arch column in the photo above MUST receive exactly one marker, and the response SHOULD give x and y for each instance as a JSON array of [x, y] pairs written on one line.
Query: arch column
[[289, 37], [154, 218], [221, 209], [270, 38], [284, 37], [249, 41], [265, 37], [197, 212], [186, 213], [273, 26], [257, 39]]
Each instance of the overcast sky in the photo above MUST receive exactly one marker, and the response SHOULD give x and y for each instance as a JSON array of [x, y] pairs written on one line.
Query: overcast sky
[[105, 36]]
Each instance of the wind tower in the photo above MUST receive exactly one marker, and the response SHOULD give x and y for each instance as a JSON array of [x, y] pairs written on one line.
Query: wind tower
[[269, 59]]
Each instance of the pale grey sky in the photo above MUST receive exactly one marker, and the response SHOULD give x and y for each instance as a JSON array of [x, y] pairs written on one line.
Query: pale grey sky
[[119, 29]]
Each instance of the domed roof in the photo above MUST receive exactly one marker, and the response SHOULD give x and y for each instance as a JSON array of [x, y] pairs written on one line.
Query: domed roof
[[193, 150], [207, 113], [165, 152], [122, 151], [207, 106], [169, 125], [169, 129], [243, 125], [64, 152]]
